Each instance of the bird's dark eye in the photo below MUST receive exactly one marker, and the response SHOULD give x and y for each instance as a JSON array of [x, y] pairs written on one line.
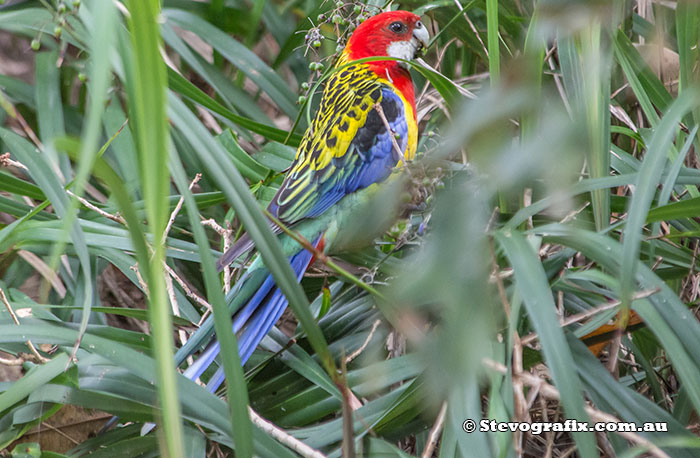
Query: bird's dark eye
[[397, 27]]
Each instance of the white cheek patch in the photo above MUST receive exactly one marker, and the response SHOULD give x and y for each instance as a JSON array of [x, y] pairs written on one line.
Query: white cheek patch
[[401, 49]]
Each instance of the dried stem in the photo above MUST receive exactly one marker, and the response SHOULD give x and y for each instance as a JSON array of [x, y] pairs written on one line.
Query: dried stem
[[188, 292], [5, 161], [282, 437], [435, 432], [177, 208], [471, 26], [116, 217], [173, 303], [142, 283], [380, 111], [357, 352], [225, 234]]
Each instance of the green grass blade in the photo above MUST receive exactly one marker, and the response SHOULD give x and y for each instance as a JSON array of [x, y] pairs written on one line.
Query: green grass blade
[[493, 41], [147, 103]]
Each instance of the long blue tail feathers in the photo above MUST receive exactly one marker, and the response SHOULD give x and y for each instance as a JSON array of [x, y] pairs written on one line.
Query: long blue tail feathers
[[252, 322]]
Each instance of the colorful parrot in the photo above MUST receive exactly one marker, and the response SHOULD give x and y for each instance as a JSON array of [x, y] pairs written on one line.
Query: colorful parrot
[[365, 126]]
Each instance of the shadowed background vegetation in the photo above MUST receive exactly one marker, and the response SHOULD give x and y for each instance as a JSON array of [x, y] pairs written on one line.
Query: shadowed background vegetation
[[543, 268]]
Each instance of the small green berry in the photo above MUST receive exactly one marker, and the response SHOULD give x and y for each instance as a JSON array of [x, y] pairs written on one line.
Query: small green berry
[[305, 86], [57, 31], [397, 135], [321, 17], [76, 3], [36, 44], [82, 77], [357, 9], [319, 66], [302, 99], [316, 44], [339, 3], [61, 8], [336, 19]]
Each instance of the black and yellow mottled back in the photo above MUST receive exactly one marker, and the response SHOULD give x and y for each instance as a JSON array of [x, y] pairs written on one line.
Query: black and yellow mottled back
[[347, 146]]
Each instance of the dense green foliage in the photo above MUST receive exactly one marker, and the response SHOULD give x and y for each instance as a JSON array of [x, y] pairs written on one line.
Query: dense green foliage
[[555, 191]]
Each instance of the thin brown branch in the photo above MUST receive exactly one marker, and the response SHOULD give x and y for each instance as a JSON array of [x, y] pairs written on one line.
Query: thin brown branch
[[380, 111], [357, 352], [60, 432], [225, 234], [435, 432], [282, 437], [174, 305], [178, 207], [188, 291], [214, 225], [142, 283], [116, 217], [5, 161], [471, 26]]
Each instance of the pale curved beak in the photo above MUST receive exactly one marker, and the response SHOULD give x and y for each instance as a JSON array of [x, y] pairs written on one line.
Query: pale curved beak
[[421, 36]]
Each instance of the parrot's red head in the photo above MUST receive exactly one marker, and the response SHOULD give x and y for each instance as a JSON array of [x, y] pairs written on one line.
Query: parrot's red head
[[394, 33]]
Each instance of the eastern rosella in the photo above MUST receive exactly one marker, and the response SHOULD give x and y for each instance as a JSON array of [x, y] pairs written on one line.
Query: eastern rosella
[[346, 149]]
